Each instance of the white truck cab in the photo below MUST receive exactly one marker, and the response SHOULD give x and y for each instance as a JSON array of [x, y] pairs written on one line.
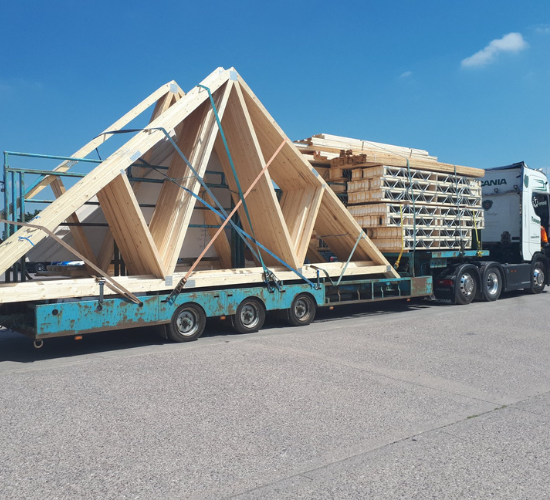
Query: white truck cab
[[516, 203]]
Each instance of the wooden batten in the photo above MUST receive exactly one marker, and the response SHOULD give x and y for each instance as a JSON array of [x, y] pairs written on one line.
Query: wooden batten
[[175, 206], [300, 209], [129, 228], [221, 243], [77, 232], [66, 288]]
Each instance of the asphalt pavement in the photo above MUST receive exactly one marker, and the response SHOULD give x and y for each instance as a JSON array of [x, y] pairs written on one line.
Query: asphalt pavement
[[394, 400]]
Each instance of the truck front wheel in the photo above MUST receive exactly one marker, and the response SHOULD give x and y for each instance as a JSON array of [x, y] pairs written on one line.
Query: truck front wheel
[[538, 277]]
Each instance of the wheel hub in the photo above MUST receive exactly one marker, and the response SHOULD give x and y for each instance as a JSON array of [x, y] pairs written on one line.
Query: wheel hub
[[538, 277], [186, 323], [466, 284], [492, 283], [249, 316], [300, 309]]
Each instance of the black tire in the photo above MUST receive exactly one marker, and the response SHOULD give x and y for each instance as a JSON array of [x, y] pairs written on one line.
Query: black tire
[[538, 277], [187, 324], [491, 284], [250, 316], [465, 286], [39, 267], [302, 311]]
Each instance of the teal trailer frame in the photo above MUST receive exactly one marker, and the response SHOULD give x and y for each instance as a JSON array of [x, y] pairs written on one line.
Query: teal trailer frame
[[41, 320]]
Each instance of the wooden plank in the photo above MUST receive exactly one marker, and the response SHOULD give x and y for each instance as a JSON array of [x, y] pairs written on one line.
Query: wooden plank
[[14, 247], [129, 228], [221, 243], [264, 209], [77, 232], [106, 252], [300, 210], [162, 105], [373, 159], [175, 206], [67, 288]]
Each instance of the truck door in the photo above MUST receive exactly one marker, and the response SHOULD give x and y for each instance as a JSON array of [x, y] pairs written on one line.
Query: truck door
[[541, 204], [535, 211]]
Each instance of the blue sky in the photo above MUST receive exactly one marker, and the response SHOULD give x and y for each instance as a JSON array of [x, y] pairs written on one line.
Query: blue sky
[[467, 80]]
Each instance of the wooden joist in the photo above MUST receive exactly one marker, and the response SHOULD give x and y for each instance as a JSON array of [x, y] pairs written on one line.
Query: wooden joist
[[129, 228], [86, 287], [175, 205], [268, 225]]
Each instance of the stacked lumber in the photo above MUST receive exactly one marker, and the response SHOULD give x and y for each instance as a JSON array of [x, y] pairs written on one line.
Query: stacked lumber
[[410, 208], [403, 198], [325, 147]]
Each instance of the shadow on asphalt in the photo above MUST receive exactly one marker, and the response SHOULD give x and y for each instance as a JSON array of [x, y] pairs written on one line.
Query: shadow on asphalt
[[17, 348]]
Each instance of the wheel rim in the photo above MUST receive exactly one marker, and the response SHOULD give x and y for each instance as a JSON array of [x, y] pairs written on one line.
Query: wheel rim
[[302, 309], [250, 315], [187, 323], [467, 285], [492, 283], [538, 276]]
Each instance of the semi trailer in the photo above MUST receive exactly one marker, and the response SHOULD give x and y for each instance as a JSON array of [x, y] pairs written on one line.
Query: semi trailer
[[509, 255], [214, 175]]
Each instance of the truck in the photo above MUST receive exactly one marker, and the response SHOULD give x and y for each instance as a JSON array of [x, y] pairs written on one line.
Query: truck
[[145, 288], [509, 255], [516, 208]]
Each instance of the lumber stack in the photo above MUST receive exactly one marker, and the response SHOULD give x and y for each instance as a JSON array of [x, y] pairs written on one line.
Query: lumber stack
[[404, 198], [431, 206]]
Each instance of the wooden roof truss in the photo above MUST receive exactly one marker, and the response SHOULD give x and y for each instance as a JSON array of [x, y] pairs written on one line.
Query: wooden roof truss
[[151, 249]]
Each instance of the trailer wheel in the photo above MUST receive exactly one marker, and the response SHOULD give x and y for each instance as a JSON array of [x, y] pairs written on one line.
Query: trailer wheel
[[465, 287], [302, 311], [187, 324], [250, 316], [538, 277], [491, 287]]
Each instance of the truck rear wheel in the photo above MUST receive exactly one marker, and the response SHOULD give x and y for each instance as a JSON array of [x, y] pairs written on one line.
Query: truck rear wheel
[[538, 277], [250, 316], [465, 286], [302, 311], [187, 324], [491, 284]]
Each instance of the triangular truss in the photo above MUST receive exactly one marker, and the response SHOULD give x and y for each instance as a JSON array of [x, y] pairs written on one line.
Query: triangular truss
[[281, 224]]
